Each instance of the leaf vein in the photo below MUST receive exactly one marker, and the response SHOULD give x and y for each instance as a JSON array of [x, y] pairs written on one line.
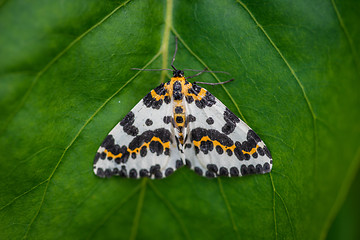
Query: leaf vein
[[347, 34], [23, 194], [228, 207], [139, 206], [285, 206], [274, 206], [27, 159], [110, 213], [353, 169]]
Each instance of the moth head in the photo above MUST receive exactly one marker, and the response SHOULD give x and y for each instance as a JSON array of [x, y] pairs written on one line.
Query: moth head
[[178, 73]]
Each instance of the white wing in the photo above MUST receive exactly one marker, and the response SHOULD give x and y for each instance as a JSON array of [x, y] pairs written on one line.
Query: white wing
[[143, 143], [218, 143]]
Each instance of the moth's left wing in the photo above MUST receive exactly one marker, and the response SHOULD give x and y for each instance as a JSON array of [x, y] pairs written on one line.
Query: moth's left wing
[[143, 143], [218, 143]]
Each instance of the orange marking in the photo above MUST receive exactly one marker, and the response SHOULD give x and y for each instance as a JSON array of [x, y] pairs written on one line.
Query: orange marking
[[110, 154], [252, 150], [217, 143], [157, 96], [200, 95], [137, 150]]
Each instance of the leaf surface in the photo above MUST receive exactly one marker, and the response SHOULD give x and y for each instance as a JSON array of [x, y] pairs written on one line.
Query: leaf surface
[[65, 81]]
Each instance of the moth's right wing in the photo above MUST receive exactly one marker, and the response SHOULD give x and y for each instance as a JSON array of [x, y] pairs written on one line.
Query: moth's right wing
[[218, 143]]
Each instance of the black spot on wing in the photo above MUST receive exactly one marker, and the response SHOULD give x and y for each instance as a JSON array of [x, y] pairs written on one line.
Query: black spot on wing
[[266, 167], [261, 152], [210, 121], [108, 141], [206, 146], [234, 171], [228, 128], [179, 163], [219, 150], [157, 104], [168, 172], [156, 147], [110, 146], [195, 89], [167, 119], [210, 99], [149, 101], [259, 168], [209, 174], [252, 135], [155, 171], [143, 151], [248, 145], [197, 133], [212, 168], [200, 103], [127, 124], [167, 151], [97, 156], [231, 119], [267, 152], [189, 99], [160, 90], [144, 173], [148, 122], [161, 133], [230, 116], [198, 171], [189, 118], [100, 172], [123, 172], [223, 171], [188, 145], [206, 101], [133, 173], [115, 171], [167, 99]]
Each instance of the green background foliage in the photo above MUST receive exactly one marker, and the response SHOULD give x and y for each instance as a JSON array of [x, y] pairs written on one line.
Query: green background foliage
[[65, 81]]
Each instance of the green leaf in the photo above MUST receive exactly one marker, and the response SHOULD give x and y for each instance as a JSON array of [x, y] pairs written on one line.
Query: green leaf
[[65, 81], [345, 225]]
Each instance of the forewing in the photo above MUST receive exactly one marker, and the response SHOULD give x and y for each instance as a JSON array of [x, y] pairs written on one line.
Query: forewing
[[142, 144], [218, 143]]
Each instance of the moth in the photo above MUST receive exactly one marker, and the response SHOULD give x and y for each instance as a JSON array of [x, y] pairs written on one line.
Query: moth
[[179, 123]]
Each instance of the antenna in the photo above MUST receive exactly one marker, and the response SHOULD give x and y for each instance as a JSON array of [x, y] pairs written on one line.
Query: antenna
[[197, 74], [141, 69], [193, 70], [214, 83]]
